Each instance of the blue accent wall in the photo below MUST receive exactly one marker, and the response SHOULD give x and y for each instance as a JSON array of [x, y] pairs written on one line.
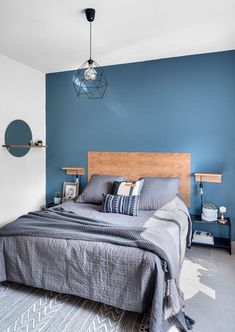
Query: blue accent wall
[[184, 104]]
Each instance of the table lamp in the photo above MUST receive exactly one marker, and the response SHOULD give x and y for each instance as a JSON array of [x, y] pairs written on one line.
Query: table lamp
[[206, 177]]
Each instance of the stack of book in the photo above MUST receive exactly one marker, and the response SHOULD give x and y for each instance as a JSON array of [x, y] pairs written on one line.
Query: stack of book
[[203, 237]]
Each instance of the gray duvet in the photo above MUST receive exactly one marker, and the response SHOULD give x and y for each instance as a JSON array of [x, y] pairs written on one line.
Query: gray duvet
[[129, 262]]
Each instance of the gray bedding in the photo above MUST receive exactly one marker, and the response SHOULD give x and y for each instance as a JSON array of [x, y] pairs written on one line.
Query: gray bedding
[[129, 262]]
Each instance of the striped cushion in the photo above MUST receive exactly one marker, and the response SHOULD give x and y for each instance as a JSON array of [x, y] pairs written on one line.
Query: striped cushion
[[126, 188], [120, 204]]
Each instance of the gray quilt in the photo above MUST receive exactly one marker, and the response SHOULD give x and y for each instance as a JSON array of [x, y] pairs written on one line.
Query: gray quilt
[[133, 266]]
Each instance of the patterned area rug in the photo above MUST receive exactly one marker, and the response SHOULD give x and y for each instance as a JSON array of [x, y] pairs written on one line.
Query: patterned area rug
[[27, 309]]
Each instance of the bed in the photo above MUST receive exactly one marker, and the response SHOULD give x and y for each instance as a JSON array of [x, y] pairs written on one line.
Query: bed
[[124, 261]]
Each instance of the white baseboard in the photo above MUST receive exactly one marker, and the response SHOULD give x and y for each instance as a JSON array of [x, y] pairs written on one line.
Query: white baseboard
[[233, 247]]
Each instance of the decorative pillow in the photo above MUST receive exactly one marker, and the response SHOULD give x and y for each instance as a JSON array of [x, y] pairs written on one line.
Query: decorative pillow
[[98, 184], [157, 192], [127, 188], [120, 204]]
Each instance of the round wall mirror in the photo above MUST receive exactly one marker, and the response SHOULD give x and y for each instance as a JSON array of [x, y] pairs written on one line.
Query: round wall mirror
[[18, 133]]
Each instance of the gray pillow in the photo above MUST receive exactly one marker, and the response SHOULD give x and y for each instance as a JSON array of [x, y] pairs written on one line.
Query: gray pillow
[[96, 187], [157, 192]]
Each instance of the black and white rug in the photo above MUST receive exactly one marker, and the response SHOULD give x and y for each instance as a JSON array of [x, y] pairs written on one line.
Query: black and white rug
[[27, 309]]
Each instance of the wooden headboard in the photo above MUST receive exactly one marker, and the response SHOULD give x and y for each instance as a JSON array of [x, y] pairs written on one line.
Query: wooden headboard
[[134, 165]]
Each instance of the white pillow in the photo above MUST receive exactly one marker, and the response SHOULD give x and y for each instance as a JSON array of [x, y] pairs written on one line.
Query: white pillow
[[127, 188]]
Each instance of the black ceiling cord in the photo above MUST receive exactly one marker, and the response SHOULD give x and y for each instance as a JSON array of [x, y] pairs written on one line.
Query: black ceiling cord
[[90, 16]]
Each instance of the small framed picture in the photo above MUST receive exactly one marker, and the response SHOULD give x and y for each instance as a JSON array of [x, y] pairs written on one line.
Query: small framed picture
[[70, 190]]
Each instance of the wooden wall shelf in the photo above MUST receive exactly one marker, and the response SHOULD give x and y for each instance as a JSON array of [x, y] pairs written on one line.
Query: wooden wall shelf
[[15, 146], [208, 177], [74, 170]]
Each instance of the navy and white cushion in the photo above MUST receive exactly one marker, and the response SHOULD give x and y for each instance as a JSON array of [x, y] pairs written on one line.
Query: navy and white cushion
[[127, 188], [121, 204]]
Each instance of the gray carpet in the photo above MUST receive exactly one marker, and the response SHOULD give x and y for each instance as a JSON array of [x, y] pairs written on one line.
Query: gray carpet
[[26, 309], [208, 282]]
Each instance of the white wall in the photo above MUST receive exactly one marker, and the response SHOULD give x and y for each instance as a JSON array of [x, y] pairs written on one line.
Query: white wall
[[22, 180]]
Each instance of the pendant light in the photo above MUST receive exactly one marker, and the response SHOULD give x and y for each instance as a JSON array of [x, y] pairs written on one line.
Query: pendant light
[[89, 79]]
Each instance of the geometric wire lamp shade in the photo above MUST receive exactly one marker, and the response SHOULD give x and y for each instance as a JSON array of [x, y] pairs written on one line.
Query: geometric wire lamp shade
[[90, 79], [93, 87]]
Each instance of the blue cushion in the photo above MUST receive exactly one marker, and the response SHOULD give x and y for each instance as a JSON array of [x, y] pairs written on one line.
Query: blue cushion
[[121, 204]]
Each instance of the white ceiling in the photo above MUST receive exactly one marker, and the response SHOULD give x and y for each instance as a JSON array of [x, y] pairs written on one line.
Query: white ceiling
[[53, 35]]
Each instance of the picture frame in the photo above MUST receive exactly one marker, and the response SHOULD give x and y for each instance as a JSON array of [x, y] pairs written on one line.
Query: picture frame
[[70, 190]]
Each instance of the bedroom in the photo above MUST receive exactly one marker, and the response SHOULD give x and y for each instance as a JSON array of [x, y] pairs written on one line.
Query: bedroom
[[170, 71]]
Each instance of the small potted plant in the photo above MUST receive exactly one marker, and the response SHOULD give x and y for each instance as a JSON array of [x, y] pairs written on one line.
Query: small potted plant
[[57, 197], [209, 212]]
